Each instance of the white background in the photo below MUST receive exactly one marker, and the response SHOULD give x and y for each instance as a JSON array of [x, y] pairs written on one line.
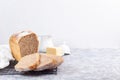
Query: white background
[[81, 23]]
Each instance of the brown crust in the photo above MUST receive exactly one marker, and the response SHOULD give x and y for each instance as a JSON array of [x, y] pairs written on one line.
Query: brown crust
[[14, 48]]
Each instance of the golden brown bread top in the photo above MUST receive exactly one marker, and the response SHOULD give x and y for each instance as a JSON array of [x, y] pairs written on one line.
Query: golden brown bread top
[[18, 35]]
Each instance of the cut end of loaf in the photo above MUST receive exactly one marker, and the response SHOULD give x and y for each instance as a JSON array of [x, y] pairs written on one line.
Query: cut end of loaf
[[28, 44]]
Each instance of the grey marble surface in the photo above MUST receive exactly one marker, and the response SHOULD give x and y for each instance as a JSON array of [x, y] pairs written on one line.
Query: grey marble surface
[[82, 64]]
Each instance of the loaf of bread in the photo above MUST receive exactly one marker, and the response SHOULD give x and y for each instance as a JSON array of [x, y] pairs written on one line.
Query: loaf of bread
[[28, 63], [23, 43]]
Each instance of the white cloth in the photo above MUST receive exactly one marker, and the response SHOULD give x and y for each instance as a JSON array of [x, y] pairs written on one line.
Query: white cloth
[[5, 56]]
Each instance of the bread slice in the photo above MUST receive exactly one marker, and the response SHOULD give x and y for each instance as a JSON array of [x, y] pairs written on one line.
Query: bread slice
[[23, 43], [57, 60], [49, 62], [28, 63], [46, 62]]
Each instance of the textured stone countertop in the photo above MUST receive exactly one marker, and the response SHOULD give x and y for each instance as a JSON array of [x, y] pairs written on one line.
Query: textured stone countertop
[[82, 64]]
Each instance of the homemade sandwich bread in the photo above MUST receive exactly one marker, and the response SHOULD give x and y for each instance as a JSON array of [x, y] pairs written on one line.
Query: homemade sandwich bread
[[28, 63], [23, 43]]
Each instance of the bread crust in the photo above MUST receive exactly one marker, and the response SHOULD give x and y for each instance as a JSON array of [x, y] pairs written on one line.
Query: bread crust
[[15, 49]]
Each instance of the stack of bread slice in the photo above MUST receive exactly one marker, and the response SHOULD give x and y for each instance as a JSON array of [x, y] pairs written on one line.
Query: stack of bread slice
[[38, 62]]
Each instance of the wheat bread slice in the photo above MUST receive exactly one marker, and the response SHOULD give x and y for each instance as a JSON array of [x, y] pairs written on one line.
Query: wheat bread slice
[[57, 60], [28, 62], [46, 63], [49, 62]]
